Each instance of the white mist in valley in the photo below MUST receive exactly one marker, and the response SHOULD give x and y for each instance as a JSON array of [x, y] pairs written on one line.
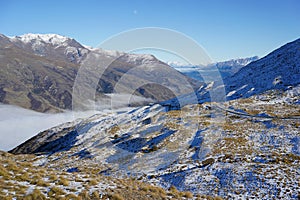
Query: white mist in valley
[[18, 124]]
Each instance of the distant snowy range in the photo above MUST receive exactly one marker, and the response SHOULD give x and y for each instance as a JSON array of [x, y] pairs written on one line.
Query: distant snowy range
[[225, 68]]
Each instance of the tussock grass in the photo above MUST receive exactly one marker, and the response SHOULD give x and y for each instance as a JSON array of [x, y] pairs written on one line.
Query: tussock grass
[[116, 197], [4, 173], [172, 125], [53, 177], [63, 181], [84, 195], [73, 197], [35, 195], [23, 177], [17, 171], [95, 195], [174, 113], [113, 130], [6, 197], [55, 192], [11, 166], [93, 182], [188, 195]]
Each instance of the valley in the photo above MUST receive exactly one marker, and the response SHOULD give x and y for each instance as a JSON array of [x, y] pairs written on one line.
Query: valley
[[233, 138]]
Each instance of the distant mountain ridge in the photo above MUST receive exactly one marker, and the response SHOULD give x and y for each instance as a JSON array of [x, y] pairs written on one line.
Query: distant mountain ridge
[[224, 68], [279, 70], [52, 45], [38, 72]]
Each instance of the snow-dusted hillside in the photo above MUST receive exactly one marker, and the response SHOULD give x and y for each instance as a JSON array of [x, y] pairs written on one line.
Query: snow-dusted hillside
[[242, 149], [278, 70]]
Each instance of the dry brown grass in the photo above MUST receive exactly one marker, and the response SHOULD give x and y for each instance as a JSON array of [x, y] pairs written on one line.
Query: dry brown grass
[[116, 197], [37, 180], [55, 192], [53, 177], [172, 125], [188, 195], [12, 166], [23, 177], [174, 113], [63, 181], [113, 130], [73, 197], [233, 145], [245, 101], [35, 195], [4, 173], [93, 182], [61, 189], [6, 197], [253, 111]]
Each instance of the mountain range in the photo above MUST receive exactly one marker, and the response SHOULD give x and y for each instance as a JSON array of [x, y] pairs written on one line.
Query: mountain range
[[240, 140], [277, 70], [38, 71], [224, 69]]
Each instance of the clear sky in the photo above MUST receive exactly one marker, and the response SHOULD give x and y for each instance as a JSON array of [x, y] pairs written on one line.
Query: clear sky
[[225, 28]]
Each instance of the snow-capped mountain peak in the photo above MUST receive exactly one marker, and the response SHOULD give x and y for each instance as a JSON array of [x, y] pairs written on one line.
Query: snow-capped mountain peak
[[51, 45], [59, 46], [238, 61], [53, 39]]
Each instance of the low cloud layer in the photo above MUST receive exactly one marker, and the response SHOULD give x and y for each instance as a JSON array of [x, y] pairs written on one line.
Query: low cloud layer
[[18, 124]]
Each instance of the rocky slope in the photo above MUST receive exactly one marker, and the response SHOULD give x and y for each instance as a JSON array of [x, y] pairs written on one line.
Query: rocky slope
[[38, 72]]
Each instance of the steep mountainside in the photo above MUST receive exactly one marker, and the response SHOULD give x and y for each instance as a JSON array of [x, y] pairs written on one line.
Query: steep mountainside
[[278, 70], [38, 72]]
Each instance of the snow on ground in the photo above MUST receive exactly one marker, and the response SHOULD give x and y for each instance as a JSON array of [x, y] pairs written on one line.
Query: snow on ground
[[245, 154]]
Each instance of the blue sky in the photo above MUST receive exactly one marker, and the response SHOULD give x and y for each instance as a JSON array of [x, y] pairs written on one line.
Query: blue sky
[[225, 28]]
